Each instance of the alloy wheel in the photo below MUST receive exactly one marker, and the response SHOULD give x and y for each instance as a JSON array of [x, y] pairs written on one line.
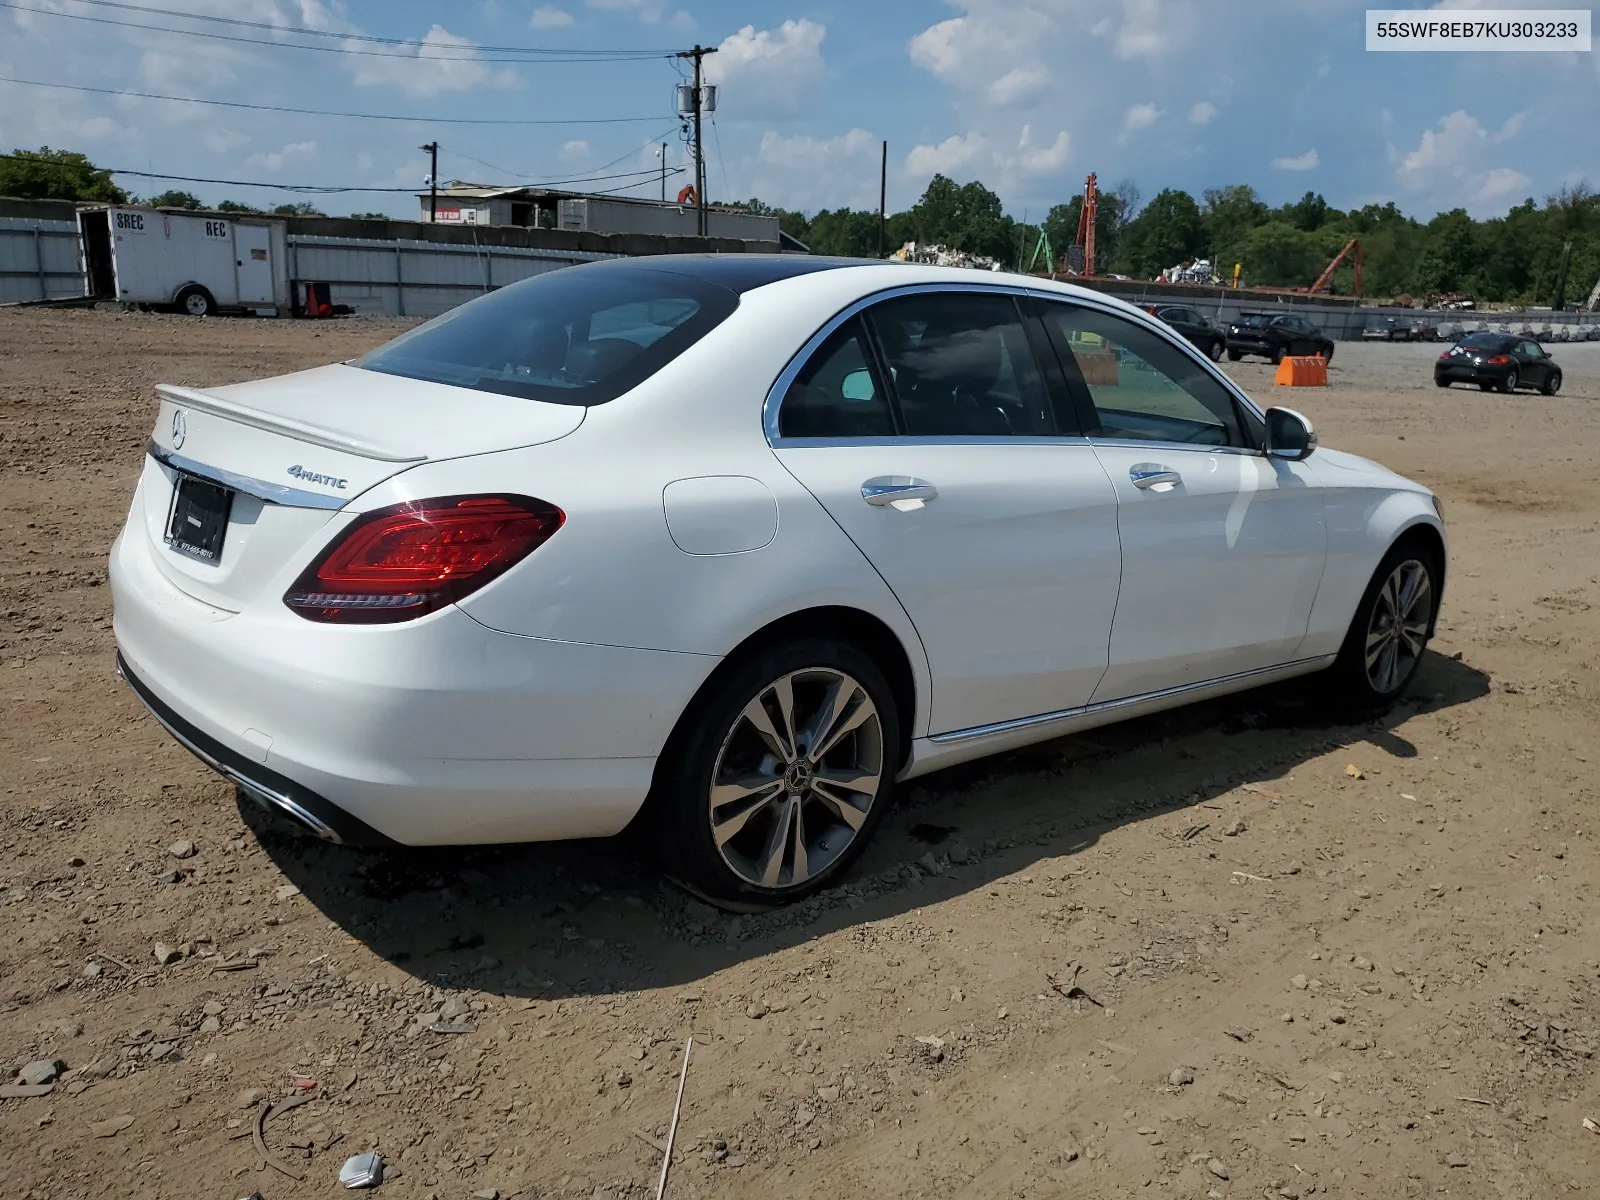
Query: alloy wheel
[[796, 777], [1397, 630]]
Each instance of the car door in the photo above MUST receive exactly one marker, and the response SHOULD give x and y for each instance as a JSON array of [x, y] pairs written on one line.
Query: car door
[[925, 427], [1532, 363], [1223, 548], [1180, 320]]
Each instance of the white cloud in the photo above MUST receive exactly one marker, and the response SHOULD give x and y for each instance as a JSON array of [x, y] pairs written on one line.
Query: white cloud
[[814, 172], [274, 160], [949, 157], [1298, 162], [769, 69], [575, 151], [545, 17], [1502, 182], [445, 62], [1140, 116], [1019, 85], [1031, 161], [1447, 163], [1203, 113]]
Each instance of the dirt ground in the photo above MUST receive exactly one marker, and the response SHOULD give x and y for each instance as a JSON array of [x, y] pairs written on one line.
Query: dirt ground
[[1055, 973]]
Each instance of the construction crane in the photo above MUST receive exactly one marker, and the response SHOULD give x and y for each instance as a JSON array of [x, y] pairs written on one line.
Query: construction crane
[[1086, 217], [1594, 296], [1322, 280]]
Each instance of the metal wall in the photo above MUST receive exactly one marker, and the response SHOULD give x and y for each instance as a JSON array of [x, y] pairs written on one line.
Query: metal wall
[[39, 260], [416, 279]]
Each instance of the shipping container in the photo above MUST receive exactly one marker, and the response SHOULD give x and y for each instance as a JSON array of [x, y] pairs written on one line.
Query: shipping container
[[202, 263]]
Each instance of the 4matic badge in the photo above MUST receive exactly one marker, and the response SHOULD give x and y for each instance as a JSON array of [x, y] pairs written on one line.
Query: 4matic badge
[[306, 476]]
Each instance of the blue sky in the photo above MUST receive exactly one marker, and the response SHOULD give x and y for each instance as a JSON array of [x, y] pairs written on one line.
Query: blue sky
[[1026, 95]]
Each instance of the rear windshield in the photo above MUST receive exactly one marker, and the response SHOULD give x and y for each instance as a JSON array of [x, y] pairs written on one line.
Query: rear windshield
[[1252, 320], [575, 335], [1486, 341]]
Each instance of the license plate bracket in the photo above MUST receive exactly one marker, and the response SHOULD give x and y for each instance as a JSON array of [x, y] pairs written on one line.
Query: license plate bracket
[[198, 521]]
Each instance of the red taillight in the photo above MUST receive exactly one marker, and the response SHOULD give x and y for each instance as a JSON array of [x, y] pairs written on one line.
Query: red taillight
[[1445, 355], [402, 562], [1497, 360]]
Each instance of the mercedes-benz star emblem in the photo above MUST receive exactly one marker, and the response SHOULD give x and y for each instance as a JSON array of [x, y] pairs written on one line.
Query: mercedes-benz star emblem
[[180, 428]]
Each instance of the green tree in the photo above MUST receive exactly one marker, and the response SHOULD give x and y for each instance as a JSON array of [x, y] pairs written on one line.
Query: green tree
[[1061, 223], [1278, 254], [1310, 212], [369, 216], [1168, 231], [236, 206], [303, 208], [966, 217], [1448, 261], [1230, 213], [173, 199], [46, 174]]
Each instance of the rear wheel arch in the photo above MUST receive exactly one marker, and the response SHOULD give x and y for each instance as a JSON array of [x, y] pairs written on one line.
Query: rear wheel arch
[[856, 626]]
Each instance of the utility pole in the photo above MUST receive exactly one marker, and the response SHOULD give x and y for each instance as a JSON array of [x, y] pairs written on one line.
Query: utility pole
[[698, 55], [663, 172], [883, 194], [433, 180]]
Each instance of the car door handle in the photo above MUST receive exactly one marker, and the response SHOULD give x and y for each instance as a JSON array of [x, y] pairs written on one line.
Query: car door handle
[[888, 489], [1153, 475]]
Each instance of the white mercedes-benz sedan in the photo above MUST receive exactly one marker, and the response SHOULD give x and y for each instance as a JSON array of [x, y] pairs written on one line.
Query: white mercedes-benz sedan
[[726, 546]]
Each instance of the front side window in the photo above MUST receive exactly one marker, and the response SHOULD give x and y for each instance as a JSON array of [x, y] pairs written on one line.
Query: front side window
[[1141, 386], [836, 394], [961, 365], [576, 335]]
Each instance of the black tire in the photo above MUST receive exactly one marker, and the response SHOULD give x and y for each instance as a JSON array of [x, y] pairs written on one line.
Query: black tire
[[1441, 383], [1235, 355], [1214, 350], [195, 301], [714, 733], [1327, 355], [1509, 383], [1552, 385], [1277, 355], [1364, 687], [1485, 386]]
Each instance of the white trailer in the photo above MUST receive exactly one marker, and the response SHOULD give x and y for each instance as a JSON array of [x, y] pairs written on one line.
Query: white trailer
[[201, 263]]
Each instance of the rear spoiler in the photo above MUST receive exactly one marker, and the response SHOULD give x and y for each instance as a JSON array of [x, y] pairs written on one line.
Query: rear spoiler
[[301, 431]]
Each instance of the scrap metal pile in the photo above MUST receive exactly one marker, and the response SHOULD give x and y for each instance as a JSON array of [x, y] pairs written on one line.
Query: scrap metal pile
[[942, 256]]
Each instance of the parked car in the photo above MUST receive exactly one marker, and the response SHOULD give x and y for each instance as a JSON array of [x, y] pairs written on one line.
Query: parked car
[[1193, 325], [1498, 360], [1274, 337], [723, 548], [1384, 329], [1594, 334], [1422, 330]]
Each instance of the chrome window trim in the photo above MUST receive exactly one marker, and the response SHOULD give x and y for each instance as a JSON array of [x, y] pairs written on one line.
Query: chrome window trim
[[982, 731], [272, 493], [780, 386]]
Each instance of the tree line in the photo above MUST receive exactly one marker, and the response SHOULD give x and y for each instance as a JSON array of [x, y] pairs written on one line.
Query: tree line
[[1510, 259], [1514, 258]]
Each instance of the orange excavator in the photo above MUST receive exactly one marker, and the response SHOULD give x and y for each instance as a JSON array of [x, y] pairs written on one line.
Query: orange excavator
[[1086, 217], [1354, 244]]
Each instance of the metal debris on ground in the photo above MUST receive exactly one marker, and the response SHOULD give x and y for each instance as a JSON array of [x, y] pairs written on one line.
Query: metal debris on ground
[[362, 1170], [672, 1130], [1069, 987]]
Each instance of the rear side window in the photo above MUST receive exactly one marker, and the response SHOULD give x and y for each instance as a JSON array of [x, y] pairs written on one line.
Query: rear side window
[[836, 394], [962, 366], [576, 335]]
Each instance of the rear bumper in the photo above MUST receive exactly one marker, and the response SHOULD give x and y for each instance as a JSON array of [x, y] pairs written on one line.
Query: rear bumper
[[431, 732], [1469, 374]]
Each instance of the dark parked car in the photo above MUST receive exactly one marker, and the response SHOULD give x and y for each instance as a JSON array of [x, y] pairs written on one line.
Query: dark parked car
[[1273, 337], [1192, 325], [1384, 329], [1498, 360], [1423, 331]]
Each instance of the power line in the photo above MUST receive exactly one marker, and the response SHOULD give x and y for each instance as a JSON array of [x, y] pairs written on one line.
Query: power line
[[359, 37], [602, 167], [317, 112], [466, 53], [303, 188]]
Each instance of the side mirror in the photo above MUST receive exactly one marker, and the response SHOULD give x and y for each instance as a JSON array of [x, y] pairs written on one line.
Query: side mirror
[[857, 385], [1289, 435]]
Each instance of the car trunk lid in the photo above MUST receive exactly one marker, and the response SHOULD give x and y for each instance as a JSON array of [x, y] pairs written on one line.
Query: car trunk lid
[[290, 452]]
